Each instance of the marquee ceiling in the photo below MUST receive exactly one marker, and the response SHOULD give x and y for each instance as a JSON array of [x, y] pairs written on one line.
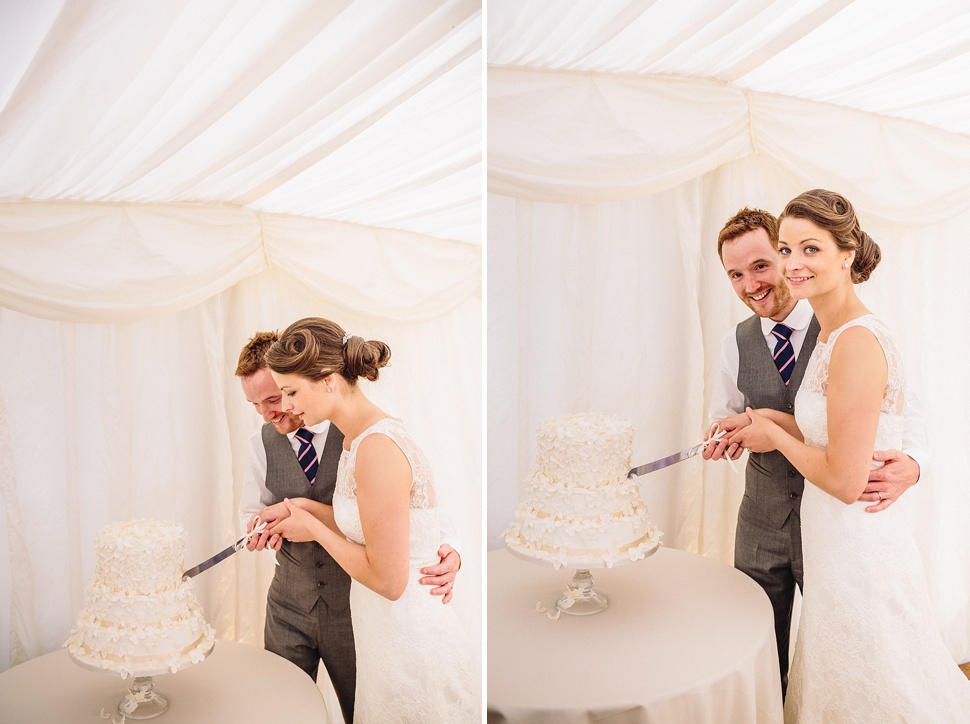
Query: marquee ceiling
[[906, 59], [361, 111]]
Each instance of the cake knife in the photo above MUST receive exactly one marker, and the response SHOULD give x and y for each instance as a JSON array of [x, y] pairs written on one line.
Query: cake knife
[[677, 457], [225, 553]]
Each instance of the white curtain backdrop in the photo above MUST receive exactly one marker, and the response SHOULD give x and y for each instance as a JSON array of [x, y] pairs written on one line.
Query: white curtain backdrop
[[608, 183], [177, 176]]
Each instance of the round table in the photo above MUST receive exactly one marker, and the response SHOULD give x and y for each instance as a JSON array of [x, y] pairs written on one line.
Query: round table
[[235, 683], [684, 639]]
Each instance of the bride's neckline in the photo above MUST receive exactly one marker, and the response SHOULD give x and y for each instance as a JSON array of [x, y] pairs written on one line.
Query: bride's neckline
[[363, 432], [835, 331]]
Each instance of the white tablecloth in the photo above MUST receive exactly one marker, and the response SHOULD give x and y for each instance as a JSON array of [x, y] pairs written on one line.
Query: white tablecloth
[[235, 684], [684, 639]]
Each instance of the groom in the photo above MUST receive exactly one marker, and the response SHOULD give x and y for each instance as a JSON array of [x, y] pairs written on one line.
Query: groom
[[756, 369], [308, 605]]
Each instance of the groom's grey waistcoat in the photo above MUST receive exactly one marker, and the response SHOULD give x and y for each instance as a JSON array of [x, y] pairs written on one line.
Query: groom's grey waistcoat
[[773, 487], [306, 572]]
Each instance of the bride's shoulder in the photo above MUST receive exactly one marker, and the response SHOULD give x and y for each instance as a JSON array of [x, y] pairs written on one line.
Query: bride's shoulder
[[871, 325], [862, 342], [866, 326], [380, 455]]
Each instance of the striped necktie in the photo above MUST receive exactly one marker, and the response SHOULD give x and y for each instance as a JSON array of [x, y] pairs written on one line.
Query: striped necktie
[[784, 354], [307, 456]]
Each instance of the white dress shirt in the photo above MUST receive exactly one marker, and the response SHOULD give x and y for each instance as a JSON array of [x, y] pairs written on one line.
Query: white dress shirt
[[727, 400]]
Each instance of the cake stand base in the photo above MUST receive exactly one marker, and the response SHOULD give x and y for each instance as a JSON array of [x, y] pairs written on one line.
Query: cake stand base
[[142, 701], [580, 599]]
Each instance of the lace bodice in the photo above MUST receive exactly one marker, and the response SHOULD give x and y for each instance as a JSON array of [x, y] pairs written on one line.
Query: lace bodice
[[422, 481], [814, 387], [425, 529]]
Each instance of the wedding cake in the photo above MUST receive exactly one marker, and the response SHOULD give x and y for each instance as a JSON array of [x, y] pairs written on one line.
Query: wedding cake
[[140, 617], [578, 508]]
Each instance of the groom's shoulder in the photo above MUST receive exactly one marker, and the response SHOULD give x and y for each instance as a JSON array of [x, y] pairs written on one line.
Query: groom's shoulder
[[752, 323]]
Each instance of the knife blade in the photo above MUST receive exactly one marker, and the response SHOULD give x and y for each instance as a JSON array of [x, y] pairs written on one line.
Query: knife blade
[[664, 462], [682, 455], [225, 552], [217, 558]]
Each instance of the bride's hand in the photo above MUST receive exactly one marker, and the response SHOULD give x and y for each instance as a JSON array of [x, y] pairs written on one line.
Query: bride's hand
[[757, 435], [297, 525], [273, 514], [269, 538]]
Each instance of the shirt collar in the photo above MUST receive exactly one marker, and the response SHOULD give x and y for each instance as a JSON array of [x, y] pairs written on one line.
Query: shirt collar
[[799, 318], [320, 427]]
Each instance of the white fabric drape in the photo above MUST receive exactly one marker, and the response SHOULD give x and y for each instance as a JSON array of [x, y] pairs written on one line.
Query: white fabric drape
[[116, 262], [606, 293], [590, 137]]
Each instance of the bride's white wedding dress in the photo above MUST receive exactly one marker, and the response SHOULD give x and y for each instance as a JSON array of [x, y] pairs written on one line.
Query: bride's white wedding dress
[[414, 662], [868, 647]]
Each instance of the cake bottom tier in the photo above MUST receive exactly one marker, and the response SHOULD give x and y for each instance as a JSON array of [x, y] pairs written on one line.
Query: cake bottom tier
[[624, 540], [129, 639]]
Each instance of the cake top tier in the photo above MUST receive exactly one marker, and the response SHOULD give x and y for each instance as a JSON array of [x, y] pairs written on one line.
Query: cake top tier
[[140, 556], [585, 426], [587, 449]]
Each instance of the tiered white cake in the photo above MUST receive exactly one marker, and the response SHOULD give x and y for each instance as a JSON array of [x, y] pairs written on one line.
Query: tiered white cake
[[578, 508], [140, 617]]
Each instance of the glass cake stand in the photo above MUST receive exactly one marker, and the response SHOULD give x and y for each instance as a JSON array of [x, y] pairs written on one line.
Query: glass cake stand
[[580, 598], [141, 701]]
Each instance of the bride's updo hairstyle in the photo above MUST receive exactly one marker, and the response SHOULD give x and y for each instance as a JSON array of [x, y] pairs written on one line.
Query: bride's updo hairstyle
[[314, 347], [833, 212]]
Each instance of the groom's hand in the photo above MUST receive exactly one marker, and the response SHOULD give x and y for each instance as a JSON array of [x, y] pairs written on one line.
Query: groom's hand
[[897, 475], [442, 576]]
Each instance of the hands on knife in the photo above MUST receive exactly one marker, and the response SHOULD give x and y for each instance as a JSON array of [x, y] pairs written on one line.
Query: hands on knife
[[262, 540], [723, 447]]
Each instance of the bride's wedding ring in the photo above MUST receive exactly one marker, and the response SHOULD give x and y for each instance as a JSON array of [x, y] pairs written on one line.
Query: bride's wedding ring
[[880, 495]]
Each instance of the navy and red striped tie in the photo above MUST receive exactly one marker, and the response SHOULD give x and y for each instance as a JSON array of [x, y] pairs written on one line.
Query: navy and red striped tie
[[784, 354], [307, 456]]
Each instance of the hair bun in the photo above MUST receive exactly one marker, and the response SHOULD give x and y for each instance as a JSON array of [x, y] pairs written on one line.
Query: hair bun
[[365, 358], [867, 258], [314, 347]]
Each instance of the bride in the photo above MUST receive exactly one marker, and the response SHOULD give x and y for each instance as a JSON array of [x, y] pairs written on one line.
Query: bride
[[413, 657], [867, 648]]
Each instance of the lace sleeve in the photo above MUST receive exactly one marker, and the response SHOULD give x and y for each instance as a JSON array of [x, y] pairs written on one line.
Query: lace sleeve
[[422, 481]]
